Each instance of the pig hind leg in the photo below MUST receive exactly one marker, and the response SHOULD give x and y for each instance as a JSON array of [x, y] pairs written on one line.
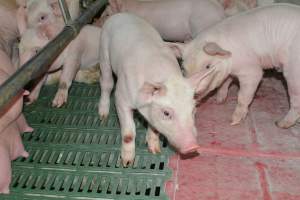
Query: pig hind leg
[[128, 132], [106, 84], [293, 82]]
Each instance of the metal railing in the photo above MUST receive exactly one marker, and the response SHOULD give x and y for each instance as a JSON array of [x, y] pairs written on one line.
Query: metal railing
[[40, 63]]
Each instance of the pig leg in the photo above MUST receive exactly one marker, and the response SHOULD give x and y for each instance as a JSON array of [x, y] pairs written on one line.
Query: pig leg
[[128, 133], [106, 84], [223, 91], [5, 173], [23, 125], [152, 138], [293, 83], [68, 74], [248, 86], [34, 94]]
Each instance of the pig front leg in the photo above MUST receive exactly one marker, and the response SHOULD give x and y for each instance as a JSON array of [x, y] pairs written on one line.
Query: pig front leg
[[248, 86], [152, 139], [34, 94], [223, 91], [106, 84], [128, 132], [68, 74]]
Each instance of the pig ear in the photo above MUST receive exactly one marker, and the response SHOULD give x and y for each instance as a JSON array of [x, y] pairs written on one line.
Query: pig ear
[[177, 48], [196, 79], [149, 91], [116, 5], [22, 19], [55, 7], [213, 49]]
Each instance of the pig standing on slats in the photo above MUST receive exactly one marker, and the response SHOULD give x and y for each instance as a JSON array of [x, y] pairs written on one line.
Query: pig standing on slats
[[149, 80], [81, 53], [244, 45], [45, 16]]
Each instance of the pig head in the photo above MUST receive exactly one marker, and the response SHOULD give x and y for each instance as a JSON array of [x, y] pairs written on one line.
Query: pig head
[[198, 61]]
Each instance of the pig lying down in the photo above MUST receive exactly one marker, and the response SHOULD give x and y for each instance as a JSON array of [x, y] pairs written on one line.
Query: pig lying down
[[81, 53], [175, 20], [244, 45], [149, 80]]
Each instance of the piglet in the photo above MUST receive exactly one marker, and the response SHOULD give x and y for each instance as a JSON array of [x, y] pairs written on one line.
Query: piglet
[[44, 13], [11, 148], [81, 53], [149, 80], [175, 20], [242, 46]]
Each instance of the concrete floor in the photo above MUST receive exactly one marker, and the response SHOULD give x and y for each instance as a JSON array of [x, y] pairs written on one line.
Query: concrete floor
[[255, 160]]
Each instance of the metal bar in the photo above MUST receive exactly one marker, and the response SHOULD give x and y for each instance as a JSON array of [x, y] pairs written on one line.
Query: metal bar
[[65, 11], [40, 63]]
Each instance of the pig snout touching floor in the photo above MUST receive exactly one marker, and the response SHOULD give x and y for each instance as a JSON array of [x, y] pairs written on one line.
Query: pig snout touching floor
[[11, 148], [175, 20], [242, 46], [81, 53], [150, 81]]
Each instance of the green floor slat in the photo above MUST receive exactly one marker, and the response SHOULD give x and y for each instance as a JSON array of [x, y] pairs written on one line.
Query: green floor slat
[[74, 156]]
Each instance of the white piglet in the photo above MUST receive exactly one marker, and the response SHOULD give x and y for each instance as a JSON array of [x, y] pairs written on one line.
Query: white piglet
[[81, 53], [149, 80], [244, 45]]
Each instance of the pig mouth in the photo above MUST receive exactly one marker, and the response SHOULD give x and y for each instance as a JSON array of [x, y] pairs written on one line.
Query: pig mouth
[[192, 149]]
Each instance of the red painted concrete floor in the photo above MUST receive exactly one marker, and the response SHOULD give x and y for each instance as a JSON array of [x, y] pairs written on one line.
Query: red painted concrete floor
[[259, 160]]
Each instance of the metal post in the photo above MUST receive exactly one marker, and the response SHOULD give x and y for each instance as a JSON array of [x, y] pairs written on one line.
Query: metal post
[[65, 11], [40, 63]]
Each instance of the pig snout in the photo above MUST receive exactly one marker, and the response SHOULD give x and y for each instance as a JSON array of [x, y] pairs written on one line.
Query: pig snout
[[185, 143], [189, 145]]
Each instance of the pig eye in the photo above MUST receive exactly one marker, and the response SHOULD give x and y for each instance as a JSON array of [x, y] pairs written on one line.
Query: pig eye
[[207, 66], [167, 115], [43, 17]]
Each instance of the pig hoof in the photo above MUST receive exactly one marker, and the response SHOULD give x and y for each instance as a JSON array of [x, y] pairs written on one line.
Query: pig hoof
[[283, 124], [103, 118], [25, 154], [127, 158], [28, 129], [5, 191], [153, 146], [60, 99], [220, 99]]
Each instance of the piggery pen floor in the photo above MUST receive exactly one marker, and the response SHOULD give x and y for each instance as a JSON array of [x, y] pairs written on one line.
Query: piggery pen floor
[[73, 156], [254, 160]]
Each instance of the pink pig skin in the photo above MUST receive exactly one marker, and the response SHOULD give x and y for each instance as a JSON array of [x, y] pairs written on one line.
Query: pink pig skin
[[242, 46], [175, 20], [82, 53], [11, 148], [149, 80], [9, 34]]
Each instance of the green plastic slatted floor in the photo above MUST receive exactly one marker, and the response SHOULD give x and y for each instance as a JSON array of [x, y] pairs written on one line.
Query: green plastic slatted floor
[[74, 156]]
